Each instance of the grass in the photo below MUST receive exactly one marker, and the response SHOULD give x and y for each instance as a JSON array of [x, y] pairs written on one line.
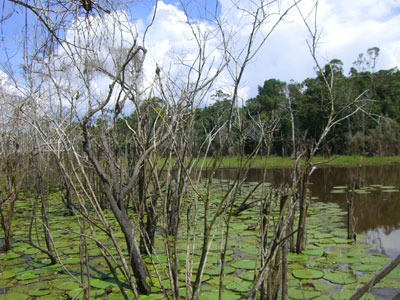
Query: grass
[[283, 162]]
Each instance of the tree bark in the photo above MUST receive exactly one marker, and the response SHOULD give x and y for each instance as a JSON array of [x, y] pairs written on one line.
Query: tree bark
[[301, 234]]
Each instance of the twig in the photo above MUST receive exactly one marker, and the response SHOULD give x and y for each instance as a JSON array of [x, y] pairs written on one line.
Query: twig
[[378, 277]]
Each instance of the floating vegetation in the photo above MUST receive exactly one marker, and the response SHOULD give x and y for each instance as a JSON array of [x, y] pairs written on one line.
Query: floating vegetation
[[342, 189], [307, 273], [331, 267]]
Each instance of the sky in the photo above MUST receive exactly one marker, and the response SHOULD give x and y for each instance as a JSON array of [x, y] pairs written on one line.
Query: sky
[[346, 28]]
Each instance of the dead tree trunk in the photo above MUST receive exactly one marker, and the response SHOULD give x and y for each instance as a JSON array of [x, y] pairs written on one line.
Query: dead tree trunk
[[115, 194], [350, 213], [304, 199]]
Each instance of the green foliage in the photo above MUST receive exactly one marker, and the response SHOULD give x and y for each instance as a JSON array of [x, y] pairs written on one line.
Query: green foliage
[[372, 130]]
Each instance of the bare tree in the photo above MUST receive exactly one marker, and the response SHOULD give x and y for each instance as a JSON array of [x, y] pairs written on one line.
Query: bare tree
[[14, 158], [130, 143]]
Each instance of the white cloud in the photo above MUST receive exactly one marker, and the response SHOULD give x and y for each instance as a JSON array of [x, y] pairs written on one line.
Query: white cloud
[[348, 28], [173, 45]]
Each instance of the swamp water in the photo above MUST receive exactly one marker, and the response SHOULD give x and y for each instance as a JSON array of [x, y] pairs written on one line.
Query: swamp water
[[377, 197], [332, 267]]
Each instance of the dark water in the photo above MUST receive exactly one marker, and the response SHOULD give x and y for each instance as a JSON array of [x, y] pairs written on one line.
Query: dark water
[[377, 213]]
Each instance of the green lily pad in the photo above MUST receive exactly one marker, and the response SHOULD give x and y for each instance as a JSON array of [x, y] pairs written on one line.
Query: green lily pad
[[214, 295], [67, 285], [101, 284], [388, 187], [213, 271], [296, 293], [347, 259], [322, 286], [323, 297], [307, 273], [244, 264], [9, 255], [361, 192], [340, 277], [39, 292], [27, 276], [341, 240], [337, 191], [297, 257], [71, 261], [249, 275], [376, 259], [313, 252], [7, 274], [366, 267], [388, 283], [152, 296], [13, 296], [239, 286], [75, 293], [31, 251], [346, 294]]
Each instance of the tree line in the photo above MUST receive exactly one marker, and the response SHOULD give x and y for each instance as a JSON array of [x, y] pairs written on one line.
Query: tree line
[[290, 113]]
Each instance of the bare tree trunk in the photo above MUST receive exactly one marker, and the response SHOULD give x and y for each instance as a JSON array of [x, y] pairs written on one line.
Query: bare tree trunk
[[350, 212], [45, 219], [138, 267], [304, 199], [117, 203], [6, 221], [284, 254]]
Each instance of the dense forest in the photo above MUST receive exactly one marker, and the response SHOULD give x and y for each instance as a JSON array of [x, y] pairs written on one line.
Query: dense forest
[[298, 111]]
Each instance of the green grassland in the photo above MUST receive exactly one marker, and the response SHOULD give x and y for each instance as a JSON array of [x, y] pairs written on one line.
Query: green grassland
[[284, 162]]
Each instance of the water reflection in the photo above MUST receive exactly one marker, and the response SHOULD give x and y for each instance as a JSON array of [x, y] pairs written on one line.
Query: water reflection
[[377, 213]]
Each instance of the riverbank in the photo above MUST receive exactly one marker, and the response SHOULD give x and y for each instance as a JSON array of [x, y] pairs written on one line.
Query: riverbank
[[340, 161]]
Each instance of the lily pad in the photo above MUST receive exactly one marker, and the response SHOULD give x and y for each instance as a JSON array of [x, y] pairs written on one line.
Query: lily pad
[[321, 286], [316, 252], [249, 275], [366, 267], [13, 296], [346, 294], [307, 273], [239, 286], [296, 293], [152, 296], [9, 255], [39, 292], [376, 259], [101, 284], [67, 285], [389, 283], [340, 277], [388, 187], [214, 295], [27, 276], [244, 264], [297, 257], [338, 191], [7, 274]]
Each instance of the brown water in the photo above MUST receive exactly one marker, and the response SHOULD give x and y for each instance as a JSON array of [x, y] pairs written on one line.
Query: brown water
[[377, 213]]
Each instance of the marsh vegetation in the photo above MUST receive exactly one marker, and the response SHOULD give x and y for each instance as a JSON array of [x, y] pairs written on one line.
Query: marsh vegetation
[[101, 186]]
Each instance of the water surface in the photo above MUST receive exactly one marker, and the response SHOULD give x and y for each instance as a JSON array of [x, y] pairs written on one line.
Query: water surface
[[377, 213]]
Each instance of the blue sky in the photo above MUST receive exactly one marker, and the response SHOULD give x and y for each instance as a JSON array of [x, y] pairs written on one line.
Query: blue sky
[[347, 29]]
